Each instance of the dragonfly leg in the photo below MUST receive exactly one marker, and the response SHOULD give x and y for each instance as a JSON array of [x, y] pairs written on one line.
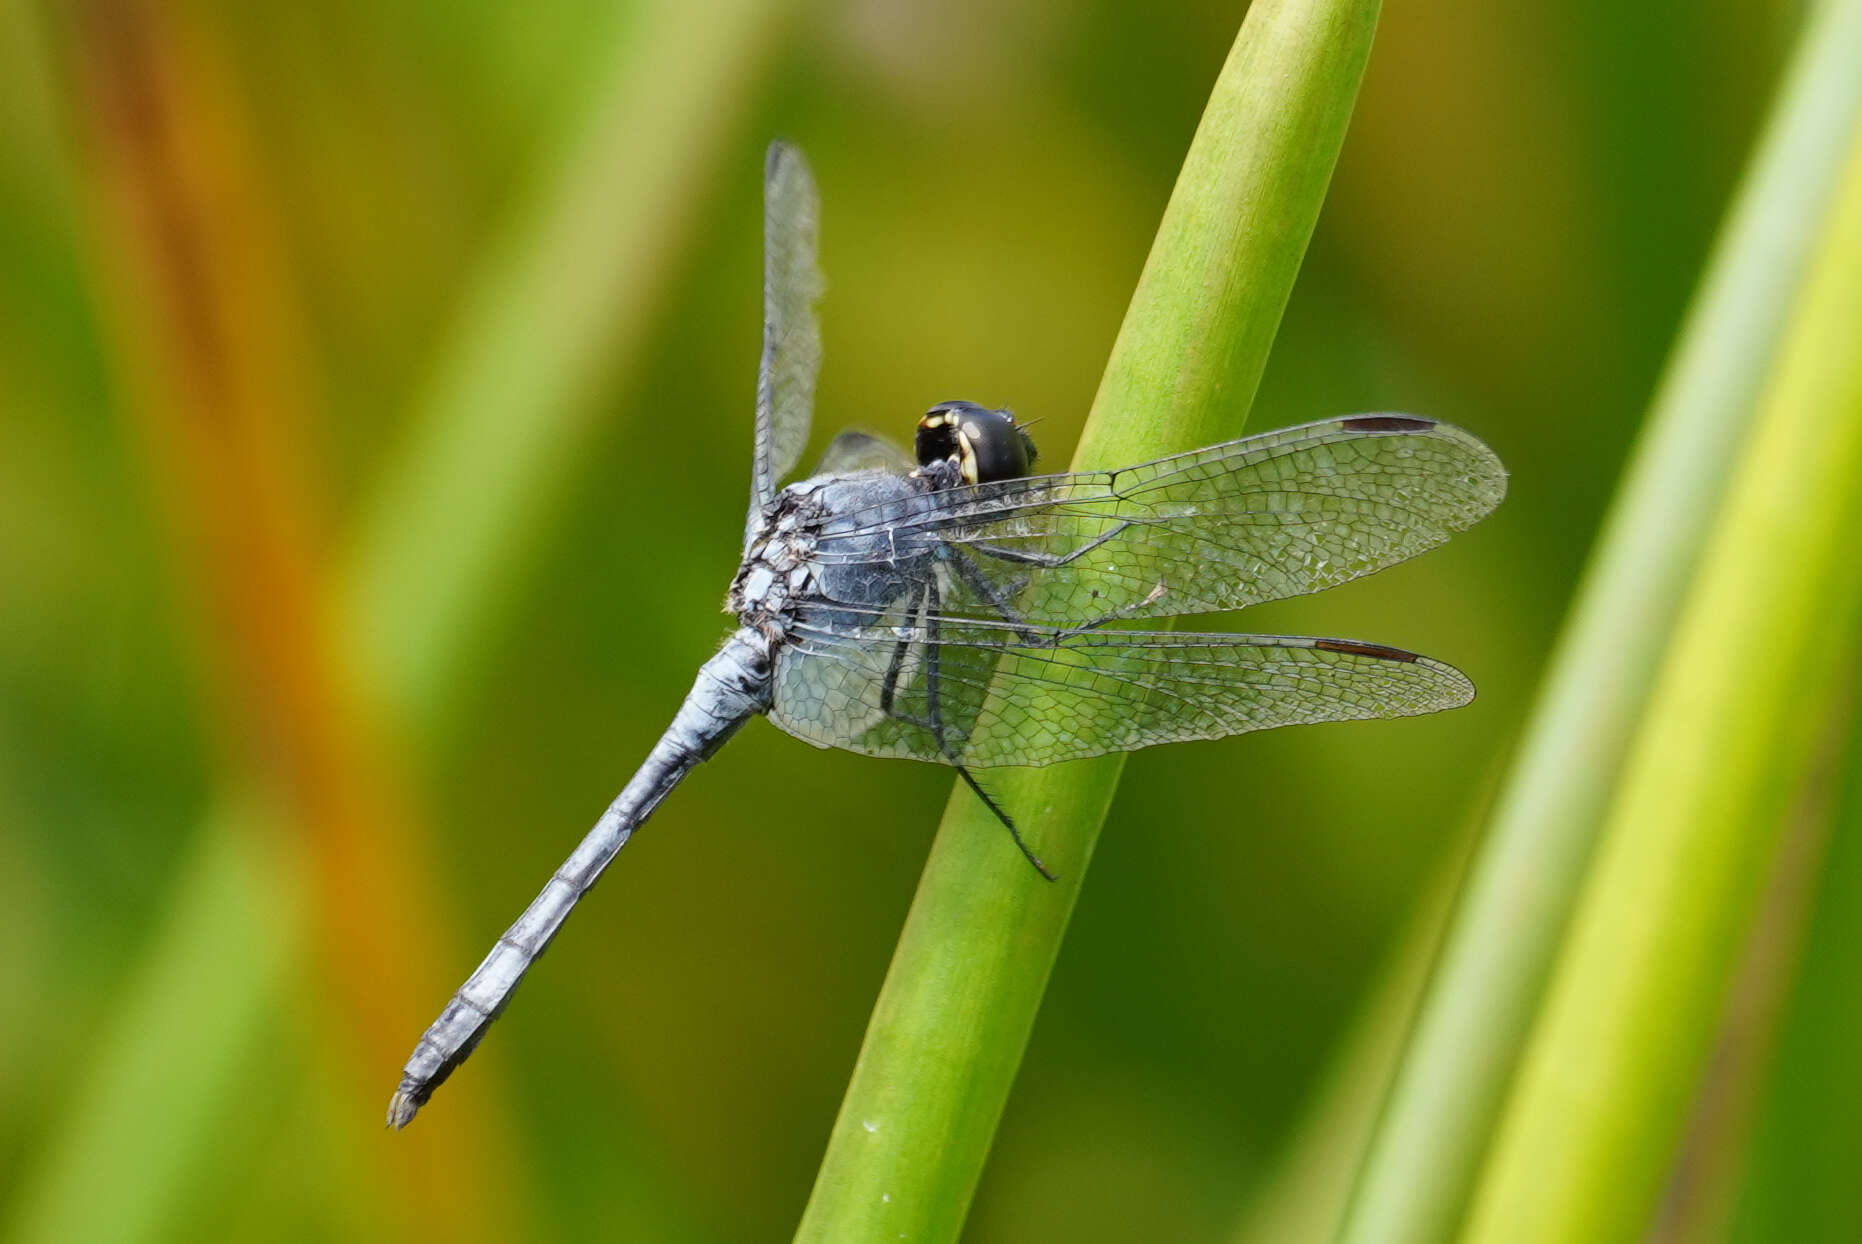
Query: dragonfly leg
[[1046, 637], [1048, 560], [895, 670], [889, 689], [934, 711]]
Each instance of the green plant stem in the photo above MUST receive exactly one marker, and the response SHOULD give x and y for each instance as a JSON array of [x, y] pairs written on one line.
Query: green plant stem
[[951, 1023], [1630, 1018], [1449, 1090]]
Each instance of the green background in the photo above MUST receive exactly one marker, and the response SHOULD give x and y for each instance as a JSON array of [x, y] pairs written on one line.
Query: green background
[[1516, 222]]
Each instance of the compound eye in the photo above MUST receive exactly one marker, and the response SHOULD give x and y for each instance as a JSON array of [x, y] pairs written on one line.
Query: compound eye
[[937, 434], [987, 444], [995, 448]]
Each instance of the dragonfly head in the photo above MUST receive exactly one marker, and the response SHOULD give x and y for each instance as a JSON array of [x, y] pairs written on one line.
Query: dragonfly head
[[987, 444]]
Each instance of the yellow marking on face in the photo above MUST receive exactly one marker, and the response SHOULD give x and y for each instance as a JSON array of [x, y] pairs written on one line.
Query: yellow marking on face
[[966, 452]]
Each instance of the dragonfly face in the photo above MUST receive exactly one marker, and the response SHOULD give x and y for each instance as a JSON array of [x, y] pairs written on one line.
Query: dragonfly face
[[987, 445], [961, 611]]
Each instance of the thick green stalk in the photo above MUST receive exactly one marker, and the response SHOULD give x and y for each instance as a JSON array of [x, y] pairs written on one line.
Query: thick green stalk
[[950, 1026], [1452, 1082], [1588, 1135]]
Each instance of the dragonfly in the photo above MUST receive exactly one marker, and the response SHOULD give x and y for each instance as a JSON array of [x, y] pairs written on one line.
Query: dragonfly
[[954, 606]]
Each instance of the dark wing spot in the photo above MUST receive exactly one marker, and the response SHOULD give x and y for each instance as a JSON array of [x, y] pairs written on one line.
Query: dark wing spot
[[1387, 423], [1377, 651]]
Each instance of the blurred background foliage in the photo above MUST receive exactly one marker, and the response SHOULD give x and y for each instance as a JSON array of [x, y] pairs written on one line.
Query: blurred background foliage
[[273, 772]]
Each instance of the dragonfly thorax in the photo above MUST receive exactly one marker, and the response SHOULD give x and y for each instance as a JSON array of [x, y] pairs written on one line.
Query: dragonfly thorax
[[778, 565], [836, 549]]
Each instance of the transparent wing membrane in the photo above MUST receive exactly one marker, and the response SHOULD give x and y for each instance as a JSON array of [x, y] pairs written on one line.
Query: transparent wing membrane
[[785, 389], [1237, 524], [958, 692], [1010, 652]]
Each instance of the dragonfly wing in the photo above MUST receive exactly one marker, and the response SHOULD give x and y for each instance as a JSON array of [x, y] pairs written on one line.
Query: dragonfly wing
[[785, 385], [981, 695], [1258, 519]]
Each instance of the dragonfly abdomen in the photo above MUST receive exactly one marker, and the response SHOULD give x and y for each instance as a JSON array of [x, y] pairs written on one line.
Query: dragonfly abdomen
[[732, 687]]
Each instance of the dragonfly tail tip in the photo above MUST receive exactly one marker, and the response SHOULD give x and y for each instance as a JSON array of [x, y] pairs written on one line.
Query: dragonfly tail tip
[[402, 1108]]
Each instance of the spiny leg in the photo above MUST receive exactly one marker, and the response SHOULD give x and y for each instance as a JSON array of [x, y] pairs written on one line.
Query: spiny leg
[[895, 670], [924, 607], [1049, 560], [934, 710], [889, 689], [1047, 637]]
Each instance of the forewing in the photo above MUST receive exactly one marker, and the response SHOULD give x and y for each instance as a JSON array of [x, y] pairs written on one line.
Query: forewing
[[1067, 697], [785, 387], [1258, 519]]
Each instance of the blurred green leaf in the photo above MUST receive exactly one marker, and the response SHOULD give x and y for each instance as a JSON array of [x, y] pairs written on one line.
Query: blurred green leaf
[[1452, 1080], [494, 438], [1806, 1146], [561, 301], [143, 1123], [1632, 1011]]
